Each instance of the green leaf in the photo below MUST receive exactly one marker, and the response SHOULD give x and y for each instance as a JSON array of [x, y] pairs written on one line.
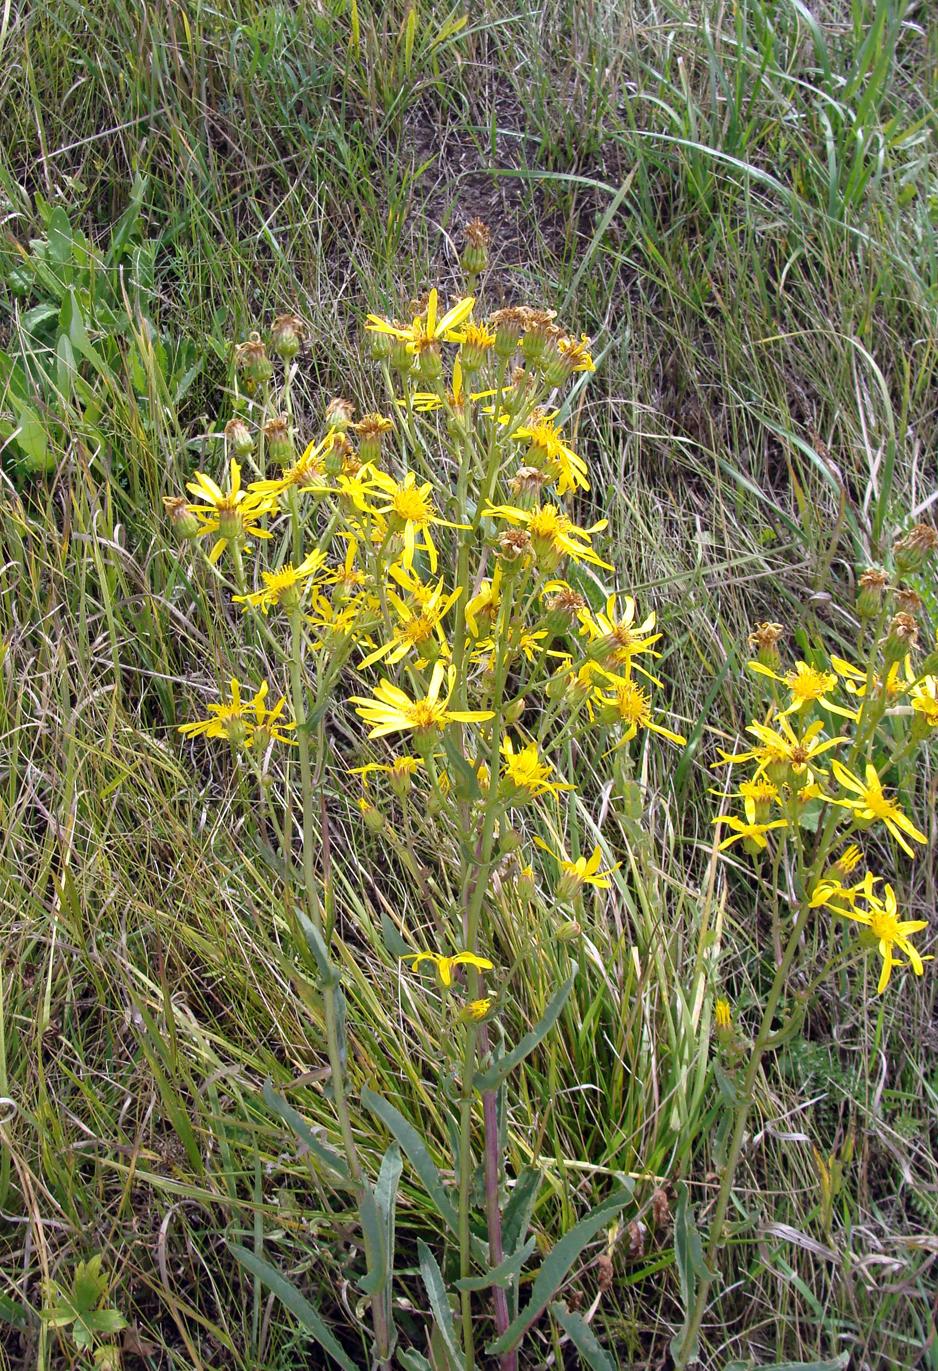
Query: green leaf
[[105, 1321], [314, 941], [554, 1269], [497, 1072], [413, 1361], [520, 1207], [31, 436], [13, 1312], [689, 1258], [436, 1291], [582, 1337], [389, 1177], [393, 941], [297, 1304], [301, 1128], [375, 1241], [415, 1148], [838, 1363], [501, 1275]]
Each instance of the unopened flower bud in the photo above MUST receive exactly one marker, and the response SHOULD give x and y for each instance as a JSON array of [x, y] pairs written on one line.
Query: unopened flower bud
[[871, 590], [916, 548], [514, 545], [279, 439], [525, 884], [509, 840], [508, 326], [569, 884], [513, 711], [563, 608], [526, 487], [371, 429], [429, 366], [901, 638], [286, 336], [238, 437], [339, 413], [540, 329], [336, 460], [400, 358], [764, 640], [253, 363], [908, 601], [475, 253], [377, 345], [373, 817], [184, 522], [569, 932]]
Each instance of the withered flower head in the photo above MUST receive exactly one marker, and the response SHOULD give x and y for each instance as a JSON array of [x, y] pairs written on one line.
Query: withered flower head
[[339, 413], [513, 543]]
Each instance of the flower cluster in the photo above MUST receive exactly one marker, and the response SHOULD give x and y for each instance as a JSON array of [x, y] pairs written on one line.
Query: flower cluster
[[833, 756]]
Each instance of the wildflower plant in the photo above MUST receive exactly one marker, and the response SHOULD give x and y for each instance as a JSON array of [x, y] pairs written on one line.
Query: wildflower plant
[[429, 572], [431, 583]]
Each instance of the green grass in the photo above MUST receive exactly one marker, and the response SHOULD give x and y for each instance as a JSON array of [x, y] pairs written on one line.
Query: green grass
[[740, 205]]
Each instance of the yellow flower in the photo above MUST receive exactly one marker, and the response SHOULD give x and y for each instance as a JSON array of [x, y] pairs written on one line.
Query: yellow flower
[[477, 1010], [239, 720], [723, 1015], [444, 965], [807, 686], [873, 803], [882, 919], [400, 772], [782, 746], [630, 705], [617, 637], [584, 871], [424, 401], [419, 627], [286, 586], [391, 711], [410, 508], [428, 327], [305, 474], [758, 796], [526, 775], [232, 514], [484, 604], [924, 695], [547, 449], [744, 830], [576, 353], [553, 536]]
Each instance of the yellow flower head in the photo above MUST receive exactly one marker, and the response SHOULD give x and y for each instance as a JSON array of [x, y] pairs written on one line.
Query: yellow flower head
[[410, 509], [723, 1015], [286, 586], [428, 327], [547, 450], [306, 473], [232, 514], [616, 639], [526, 775], [553, 536], [444, 965], [881, 917], [807, 686], [241, 721], [583, 871], [419, 627], [870, 803], [924, 697], [630, 706], [390, 710], [743, 830]]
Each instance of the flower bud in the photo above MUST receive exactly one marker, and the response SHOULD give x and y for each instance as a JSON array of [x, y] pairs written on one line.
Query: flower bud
[[563, 607], [901, 638], [253, 363], [335, 462], [286, 336], [764, 640], [373, 817], [475, 253], [509, 840], [184, 522], [429, 365], [872, 587], [279, 439], [915, 549], [540, 329], [525, 884], [526, 487], [569, 884], [512, 712], [371, 429], [508, 325], [401, 360], [569, 932], [339, 413], [238, 437], [377, 345]]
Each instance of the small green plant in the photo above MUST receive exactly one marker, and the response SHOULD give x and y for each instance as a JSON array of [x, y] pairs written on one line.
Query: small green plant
[[80, 1307]]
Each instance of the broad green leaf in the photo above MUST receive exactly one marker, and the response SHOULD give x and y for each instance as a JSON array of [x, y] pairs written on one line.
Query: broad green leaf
[[297, 1304], [582, 1337], [375, 1241], [497, 1072], [436, 1291], [301, 1128], [520, 1207], [689, 1258], [555, 1267], [413, 1361], [412, 1143], [503, 1274], [389, 1177], [316, 945]]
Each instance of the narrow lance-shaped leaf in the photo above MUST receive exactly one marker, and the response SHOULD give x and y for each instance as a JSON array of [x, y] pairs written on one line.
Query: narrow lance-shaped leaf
[[500, 1069], [297, 1304]]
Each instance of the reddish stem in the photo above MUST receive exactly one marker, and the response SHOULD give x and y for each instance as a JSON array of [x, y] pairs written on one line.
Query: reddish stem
[[508, 1360]]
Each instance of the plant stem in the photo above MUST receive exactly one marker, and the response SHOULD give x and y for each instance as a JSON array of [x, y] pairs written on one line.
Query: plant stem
[[689, 1340]]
